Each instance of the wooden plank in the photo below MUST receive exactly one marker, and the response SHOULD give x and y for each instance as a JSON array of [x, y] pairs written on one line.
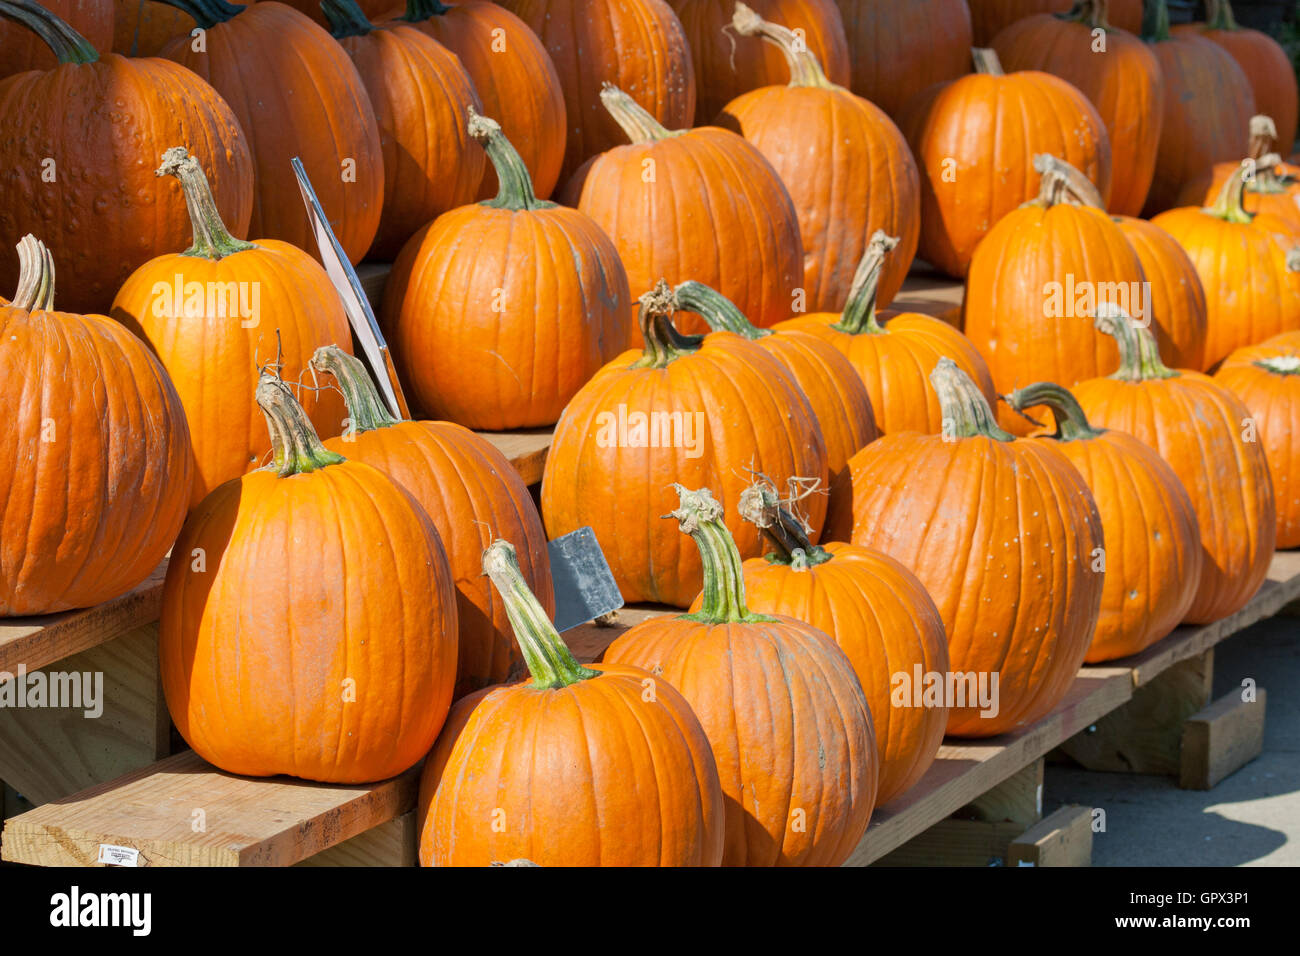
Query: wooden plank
[[184, 812], [930, 292], [1063, 838], [1221, 739], [394, 843], [588, 641], [1018, 799], [527, 450], [954, 842]]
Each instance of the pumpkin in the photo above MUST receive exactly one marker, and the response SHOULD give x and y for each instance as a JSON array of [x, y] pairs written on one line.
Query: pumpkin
[[601, 765], [1208, 101], [95, 458], [420, 94], [1266, 378], [297, 94], [1003, 533], [22, 50], [499, 311], [372, 9], [892, 358], [1177, 299], [780, 703], [699, 204], [1266, 64], [1152, 559], [1122, 79], [1202, 430], [69, 171], [214, 313], [638, 45], [1249, 266], [514, 77], [1271, 185], [975, 139], [837, 395], [144, 27], [843, 161], [682, 409], [991, 17], [470, 491], [308, 620], [725, 69], [876, 611], [1035, 282], [932, 37]]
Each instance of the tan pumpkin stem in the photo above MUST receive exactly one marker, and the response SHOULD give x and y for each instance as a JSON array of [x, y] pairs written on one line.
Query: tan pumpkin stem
[[1263, 136], [366, 411], [211, 238], [1139, 355], [986, 61], [718, 312], [549, 659], [761, 506], [966, 413], [35, 276], [804, 68], [515, 184], [663, 343], [632, 117], [67, 44], [1061, 182], [859, 315], [295, 447], [1229, 205], [699, 515], [1071, 422]]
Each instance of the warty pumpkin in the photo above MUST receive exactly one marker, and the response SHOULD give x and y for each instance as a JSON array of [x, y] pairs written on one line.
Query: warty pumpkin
[[931, 37], [1116, 71], [308, 617], [843, 161], [699, 204], [215, 313], [420, 94], [499, 311], [1249, 267], [682, 409], [1177, 299], [95, 458], [779, 702], [600, 765], [22, 50], [514, 76], [1152, 559], [297, 94], [991, 17], [1272, 186], [1266, 378], [68, 171], [1202, 430], [638, 45], [1003, 533], [472, 494], [975, 140]]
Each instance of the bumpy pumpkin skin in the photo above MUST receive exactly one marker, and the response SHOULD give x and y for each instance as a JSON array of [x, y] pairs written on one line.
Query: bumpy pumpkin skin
[[991, 17], [596, 759], [1178, 311]]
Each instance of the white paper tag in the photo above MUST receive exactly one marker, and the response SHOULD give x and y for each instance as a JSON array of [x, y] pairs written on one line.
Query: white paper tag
[[118, 855]]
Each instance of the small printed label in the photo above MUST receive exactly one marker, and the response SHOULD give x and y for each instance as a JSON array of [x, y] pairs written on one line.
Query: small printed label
[[118, 855]]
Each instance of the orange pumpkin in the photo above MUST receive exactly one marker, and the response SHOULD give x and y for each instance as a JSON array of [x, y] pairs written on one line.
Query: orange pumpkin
[[499, 311], [22, 50], [975, 139], [144, 27], [845, 164], [217, 311], [1003, 533], [1152, 559], [1271, 185], [788, 723], [991, 17], [289, 642], [578, 767], [1202, 430], [1177, 299], [680, 410], [470, 491], [95, 458]]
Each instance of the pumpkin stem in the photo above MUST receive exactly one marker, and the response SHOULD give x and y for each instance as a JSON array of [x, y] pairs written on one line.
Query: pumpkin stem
[[418, 11], [346, 19], [68, 45], [719, 312], [1280, 364], [365, 410], [804, 68], [1061, 182], [1155, 21], [547, 656], [1139, 355], [1263, 136], [663, 343], [1071, 422], [207, 13], [986, 61], [859, 315], [1091, 13], [35, 276], [211, 238], [515, 190], [760, 506], [699, 515], [966, 413], [295, 446], [1218, 15], [1229, 206], [634, 119]]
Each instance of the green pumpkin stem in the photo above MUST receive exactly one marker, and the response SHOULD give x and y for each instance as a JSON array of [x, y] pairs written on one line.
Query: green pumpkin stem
[[663, 343], [1280, 364], [207, 13], [1155, 21], [515, 189], [1139, 355], [1229, 204], [804, 68], [718, 312], [346, 19], [35, 276], [859, 315], [211, 238], [760, 506], [1062, 183], [1218, 15], [417, 11], [966, 413], [547, 656], [985, 60], [295, 446], [699, 515], [1094, 14], [1071, 422], [68, 45], [632, 117], [366, 411]]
